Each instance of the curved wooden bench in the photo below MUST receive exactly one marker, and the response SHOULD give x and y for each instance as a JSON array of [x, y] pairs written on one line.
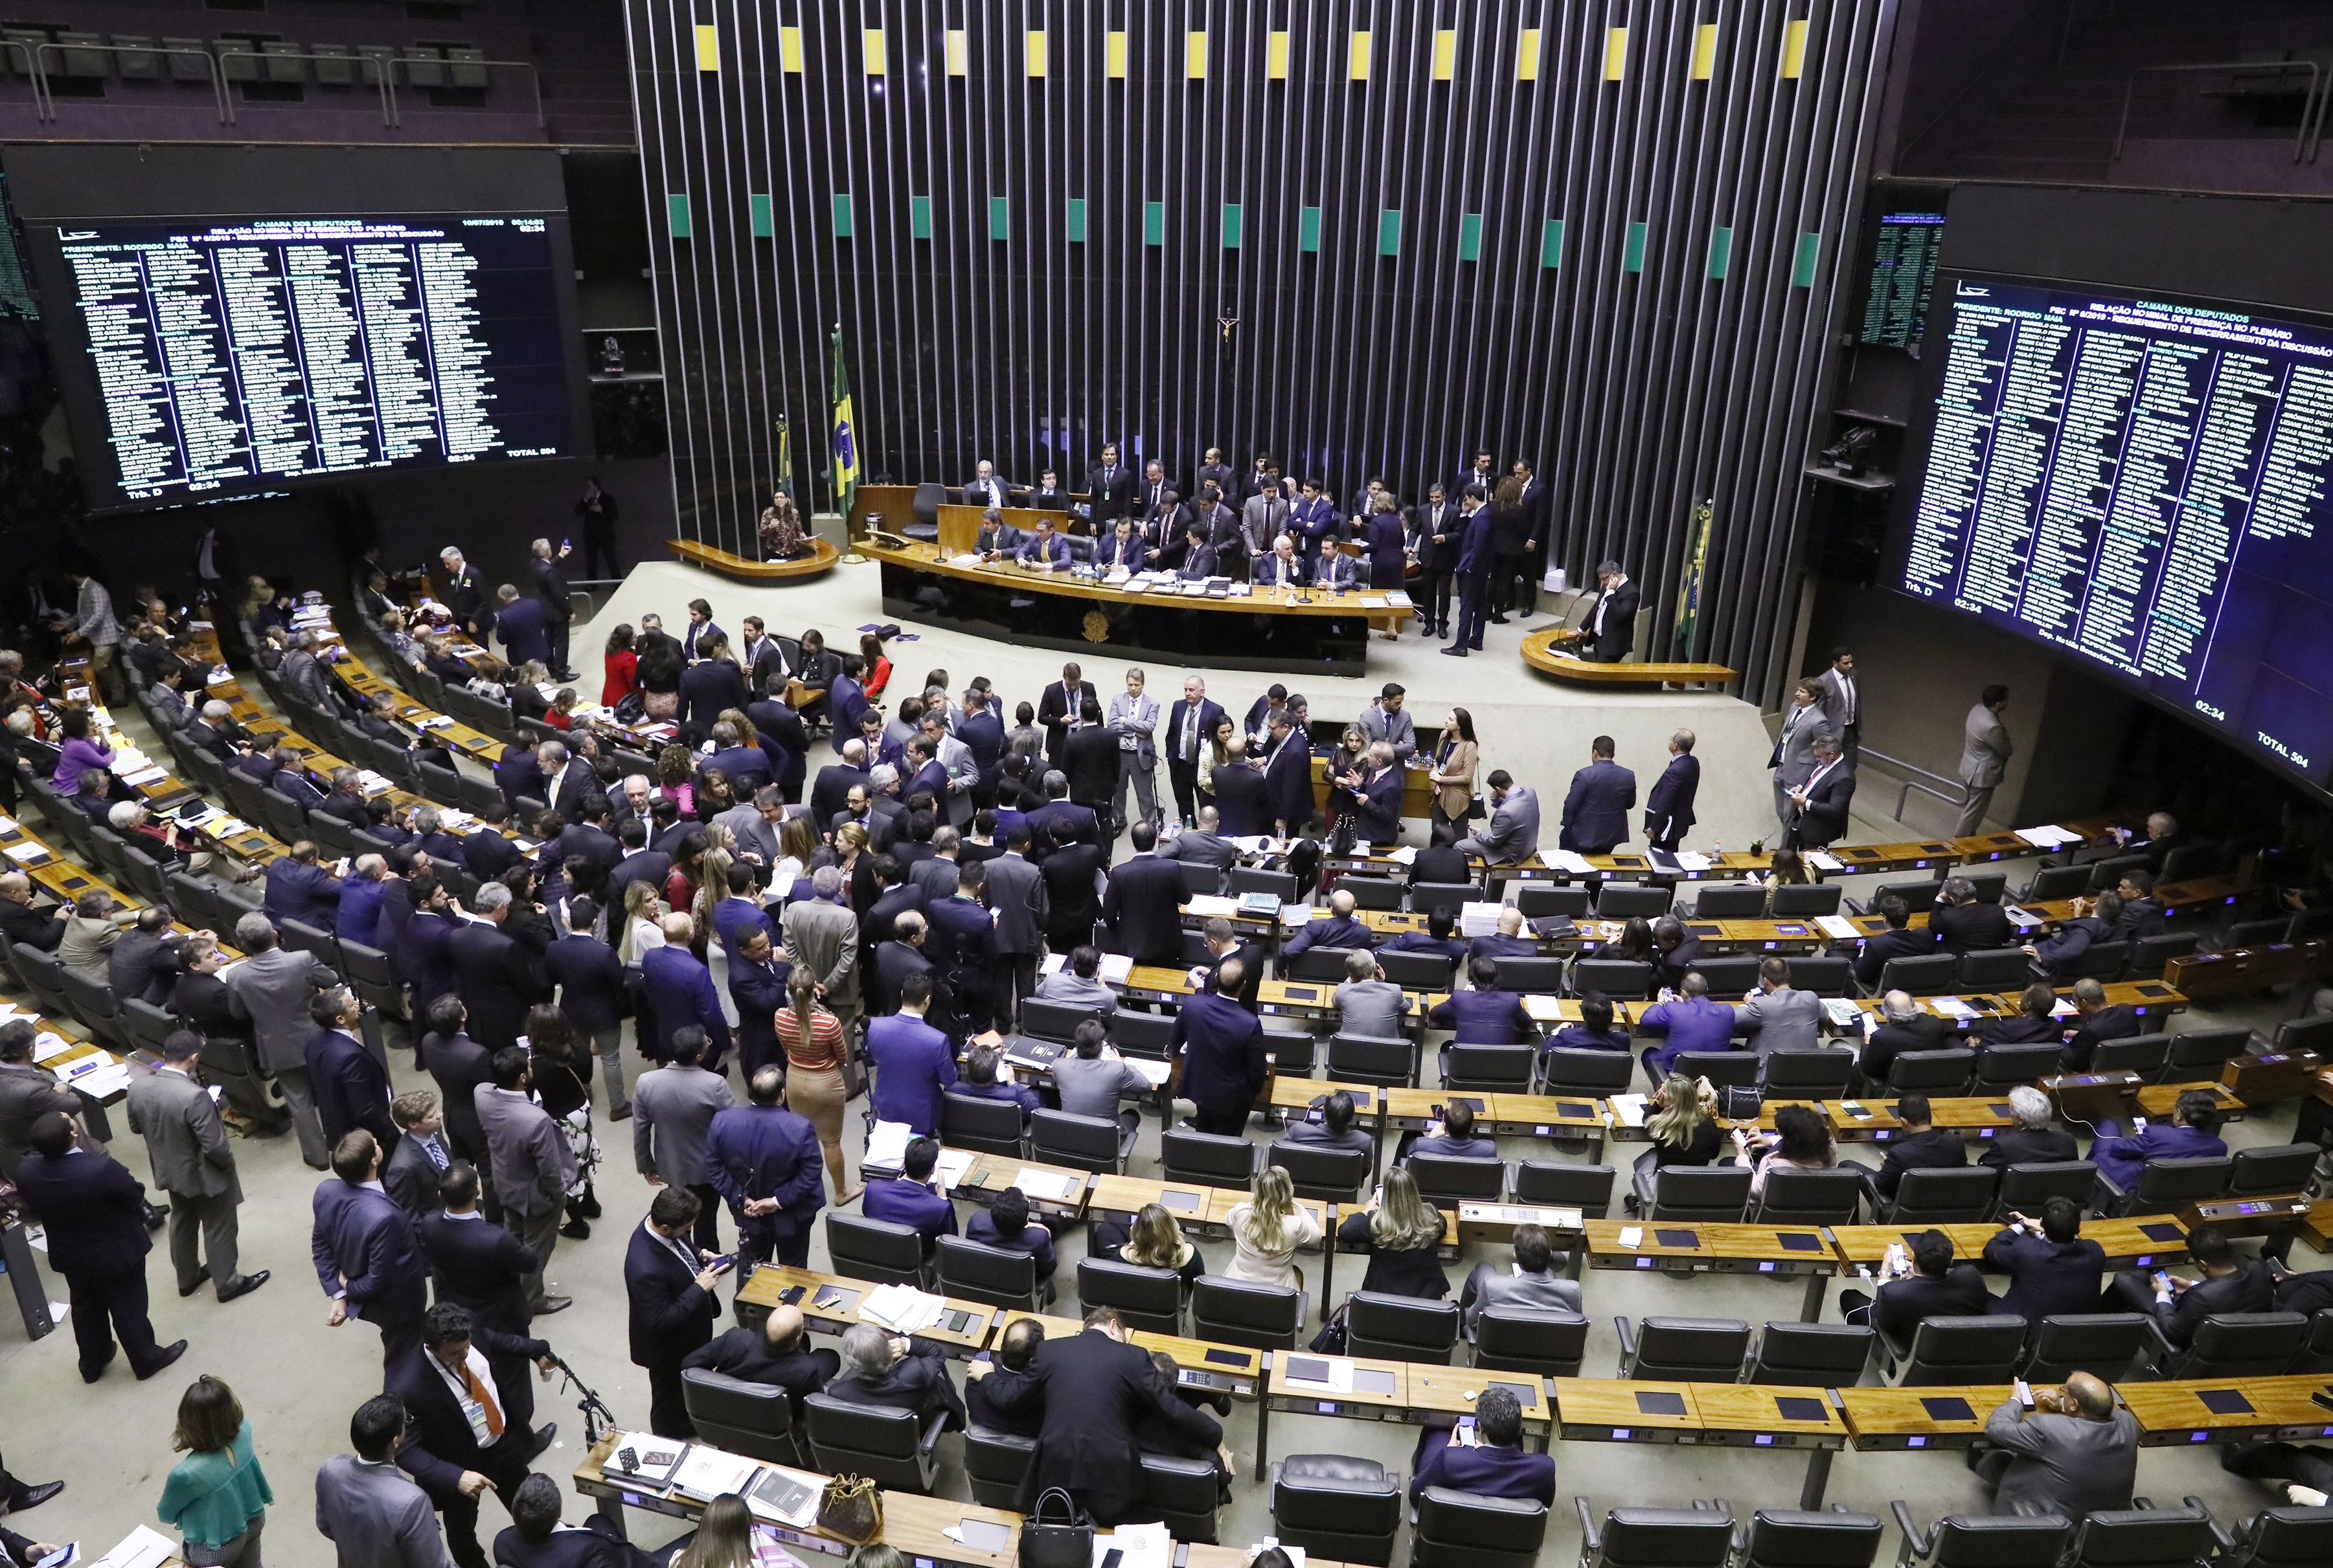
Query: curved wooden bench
[[1538, 652], [821, 559]]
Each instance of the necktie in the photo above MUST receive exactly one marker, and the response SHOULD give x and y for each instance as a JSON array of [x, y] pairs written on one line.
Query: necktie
[[477, 1391], [437, 1152], [1190, 731]]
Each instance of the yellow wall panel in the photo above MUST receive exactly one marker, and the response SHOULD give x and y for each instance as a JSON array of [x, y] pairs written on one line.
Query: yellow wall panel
[[1357, 65], [955, 48], [1194, 55], [870, 40], [1705, 51], [789, 49], [709, 47], [1113, 56], [1794, 47], [1275, 57], [1446, 54], [1616, 53], [1527, 55], [1035, 51]]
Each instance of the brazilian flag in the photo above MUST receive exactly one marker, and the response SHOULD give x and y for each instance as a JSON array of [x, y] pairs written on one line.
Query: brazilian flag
[[1688, 606], [846, 435]]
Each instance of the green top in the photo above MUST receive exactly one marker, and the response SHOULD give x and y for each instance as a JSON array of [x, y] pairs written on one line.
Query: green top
[[213, 1497]]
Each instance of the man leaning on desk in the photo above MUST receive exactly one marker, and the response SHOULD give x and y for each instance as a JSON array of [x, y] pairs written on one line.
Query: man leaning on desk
[[2074, 1453]]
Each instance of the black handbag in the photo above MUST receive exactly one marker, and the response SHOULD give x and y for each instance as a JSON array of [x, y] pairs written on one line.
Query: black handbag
[[1739, 1102], [1331, 1340], [1057, 1545]]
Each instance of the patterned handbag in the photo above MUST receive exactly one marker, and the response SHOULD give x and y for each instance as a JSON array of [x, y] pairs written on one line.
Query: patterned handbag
[[851, 1509]]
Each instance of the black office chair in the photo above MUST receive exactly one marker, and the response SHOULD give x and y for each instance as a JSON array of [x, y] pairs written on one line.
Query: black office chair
[[1560, 1184], [2307, 1033], [1372, 892], [1805, 900], [1592, 1074], [1944, 1072], [1540, 977], [368, 971], [1201, 880], [1237, 1312], [146, 1025], [1724, 1069], [2283, 1537], [2102, 1343], [996, 1462], [307, 938], [2201, 1053], [1096, 1143], [1995, 969], [1809, 1075], [1789, 1538], [1732, 974], [1281, 885], [755, 1420], [1655, 1537], [999, 1276], [1465, 1530], [1982, 1540], [1825, 976], [1446, 1180], [1400, 1328], [1701, 1195], [94, 1003], [1417, 971], [1209, 1159], [2143, 1054], [1928, 974], [1425, 898], [1183, 1493], [2272, 1170], [2168, 1185], [1149, 1034], [2106, 873], [985, 1126], [1683, 1349], [1540, 901], [1918, 897], [1943, 1196], [1730, 901], [1388, 1062], [1055, 1021], [1490, 1069], [2001, 1068], [888, 1446], [1318, 965], [2232, 1345], [1957, 1350], [1338, 1509], [2025, 1188], [1149, 1299], [1620, 979], [2143, 1538], [1813, 1355], [1319, 1173], [1808, 1197], [2148, 954], [2053, 882], [1627, 901], [1544, 1342], [877, 1250]]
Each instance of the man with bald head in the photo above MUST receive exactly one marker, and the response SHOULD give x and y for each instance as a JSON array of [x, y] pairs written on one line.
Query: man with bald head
[[2074, 1452], [777, 1355]]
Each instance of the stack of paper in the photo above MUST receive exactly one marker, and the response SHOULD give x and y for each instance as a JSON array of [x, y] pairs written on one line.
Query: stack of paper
[[789, 1496], [2064, 1009], [1837, 926], [1205, 905], [954, 1163], [1571, 860], [1478, 919], [1628, 1109], [887, 1146], [1136, 1546], [1951, 1007], [1694, 862], [1543, 1009], [707, 1473], [1116, 967], [2048, 836], [1825, 862], [27, 854], [145, 776], [1059, 1186], [903, 1309]]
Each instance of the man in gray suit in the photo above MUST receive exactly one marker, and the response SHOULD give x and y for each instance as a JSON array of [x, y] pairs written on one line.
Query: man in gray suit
[[2074, 1453], [272, 987], [1367, 1002], [532, 1166], [673, 1107], [1781, 1018], [1134, 721], [1984, 757], [1017, 899], [370, 1510], [1076, 983], [1263, 518], [1203, 845], [1512, 836], [194, 1162], [1531, 1284], [1793, 758], [1843, 702], [27, 1092], [754, 825], [825, 938]]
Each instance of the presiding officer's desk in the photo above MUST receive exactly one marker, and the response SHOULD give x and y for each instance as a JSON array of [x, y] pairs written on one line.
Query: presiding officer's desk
[[2153, 1242], [1722, 1415], [961, 1331], [1234, 1370], [1785, 1251]]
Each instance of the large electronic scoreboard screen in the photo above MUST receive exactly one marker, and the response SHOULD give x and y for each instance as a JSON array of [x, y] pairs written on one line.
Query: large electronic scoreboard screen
[[2140, 482], [220, 356]]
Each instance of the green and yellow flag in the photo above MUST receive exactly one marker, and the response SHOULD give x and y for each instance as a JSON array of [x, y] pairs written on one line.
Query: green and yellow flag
[[845, 434], [1688, 609]]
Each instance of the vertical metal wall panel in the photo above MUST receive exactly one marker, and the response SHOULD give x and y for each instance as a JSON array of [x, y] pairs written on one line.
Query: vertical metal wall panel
[[1637, 393]]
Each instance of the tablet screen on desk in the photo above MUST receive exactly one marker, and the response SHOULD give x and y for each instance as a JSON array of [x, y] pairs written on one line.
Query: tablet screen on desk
[[792, 1294], [1948, 1410], [1799, 1243], [1690, 1240], [1525, 1395], [1656, 1403], [984, 1535], [2163, 1232], [1227, 1358], [2001, 1108], [1309, 1371], [1301, 993], [2226, 1403], [1800, 1409], [1573, 1108], [1372, 1380], [1179, 1199]]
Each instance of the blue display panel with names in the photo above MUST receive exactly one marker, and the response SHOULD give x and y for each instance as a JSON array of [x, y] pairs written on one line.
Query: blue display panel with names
[[2141, 482], [231, 355]]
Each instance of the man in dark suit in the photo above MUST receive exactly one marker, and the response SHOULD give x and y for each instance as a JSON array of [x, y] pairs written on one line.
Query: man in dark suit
[[910, 1199], [776, 1355], [486, 850], [1013, 1351], [1094, 1389], [1064, 818], [2096, 1023], [1922, 1145], [639, 863], [1143, 906], [1611, 623], [1190, 726], [1596, 811], [1090, 762], [350, 1085], [780, 724], [1068, 870], [1963, 924], [1472, 566], [1668, 810], [763, 1160], [591, 992], [982, 731], [1484, 1015], [298, 889], [465, 1393], [1934, 1287], [1498, 1465], [757, 985], [2231, 1282], [363, 1248], [498, 980], [2036, 1139], [416, 1168], [1378, 817], [670, 1287], [1221, 1046], [423, 953], [536, 1538], [1904, 1026], [1819, 805], [1111, 488], [1288, 803], [1898, 941], [1430, 535], [711, 685], [2051, 1267], [457, 1064], [1063, 707], [888, 1371], [477, 1264], [1242, 803], [524, 627], [95, 1215]]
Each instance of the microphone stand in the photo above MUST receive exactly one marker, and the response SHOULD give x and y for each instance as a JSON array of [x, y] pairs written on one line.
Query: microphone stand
[[597, 1417]]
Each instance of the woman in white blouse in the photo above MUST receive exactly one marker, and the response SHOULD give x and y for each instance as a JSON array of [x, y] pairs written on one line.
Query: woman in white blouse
[[1267, 1229]]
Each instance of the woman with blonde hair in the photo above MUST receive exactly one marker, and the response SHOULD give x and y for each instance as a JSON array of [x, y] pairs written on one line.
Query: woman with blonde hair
[[1683, 1127], [216, 1495], [1401, 1232], [811, 1038], [1267, 1229], [724, 1538], [1156, 1241], [643, 912], [797, 842]]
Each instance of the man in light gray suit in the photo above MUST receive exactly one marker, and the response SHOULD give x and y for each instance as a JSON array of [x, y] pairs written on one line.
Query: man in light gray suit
[[1367, 1002], [1793, 758], [370, 1510], [1133, 720], [1263, 518], [194, 1162], [1984, 757], [754, 825], [825, 937], [673, 1107], [1203, 845], [1017, 898], [532, 1166], [1076, 983], [2074, 1452], [1512, 836], [1386, 720], [1532, 1284], [1780, 1018], [272, 987]]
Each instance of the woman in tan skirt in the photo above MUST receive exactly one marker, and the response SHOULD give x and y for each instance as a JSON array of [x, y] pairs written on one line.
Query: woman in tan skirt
[[812, 1039], [1455, 751]]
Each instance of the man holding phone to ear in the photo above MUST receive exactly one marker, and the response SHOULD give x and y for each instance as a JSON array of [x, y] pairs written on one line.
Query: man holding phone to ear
[[672, 1289]]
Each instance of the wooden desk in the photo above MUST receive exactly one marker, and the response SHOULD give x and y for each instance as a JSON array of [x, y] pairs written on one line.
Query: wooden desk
[[1453, 1391], [1625, 1410], [1547, 1116], [2235, 971], [1538, 652], [1406, 1391], [2317, 1225], [959, 523], [965, 1337], [821, 558], [2150, 999], [1124, 1195], [1234, 1370], [991, 1174], [1417, 789], [2215, 1409], [1296, 1093], [1783, 1251], [2153, 1242], [1919, 1417], [1497, 1222], [1935, 856]]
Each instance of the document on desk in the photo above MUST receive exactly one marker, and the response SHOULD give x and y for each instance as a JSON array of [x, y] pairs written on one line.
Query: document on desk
[[28, 854], [141, 1548], [1951, 1007], [1116, 969], [901, 1308], [709, 1472], [1334, 1374], [1842, 1011], [1405, 856], [1837, 926], [1153, 1072], [1542, 1009], [1206, 906], [2048, 836], [789, 1496], [954, 1164], [1694, 862], [887, 1146], [1632, 1236], [1628, 1109], [1825, 862], [1571, 860], [48, 1044], [1059, 1187], [641, 1457]]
